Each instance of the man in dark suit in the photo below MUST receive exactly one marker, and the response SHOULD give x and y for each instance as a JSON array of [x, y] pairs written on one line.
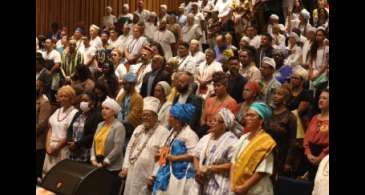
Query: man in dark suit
[[156, 75], [186, 95]]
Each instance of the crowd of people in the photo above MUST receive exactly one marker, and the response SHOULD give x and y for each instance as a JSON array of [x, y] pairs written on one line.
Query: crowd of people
[[220, 97]]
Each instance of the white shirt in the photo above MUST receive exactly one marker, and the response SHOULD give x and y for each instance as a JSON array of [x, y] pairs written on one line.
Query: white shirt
[[88, 54], [255, 42], [136, 68], [306, 47], [165, 38], [149, 29], [186, 64], [53, 55], [280, 41], [115, 44], [120, 71], [135, 45], [124, 40], [108, 21], [183, 98], [96, 42], [189, 33], [143, 15], [198, 57], [321, 181], [206, 71], [294, 58]]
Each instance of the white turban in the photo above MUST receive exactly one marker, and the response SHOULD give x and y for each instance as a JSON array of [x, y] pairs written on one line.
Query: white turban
[[112, 104], [164, 6], [151, 103], [295, 36], [194, 41], [269, 61], [274, 17], [245, 38], [126, 6], [303, 73], [305, 14], [96, 28], [166, 87], [228, 117]]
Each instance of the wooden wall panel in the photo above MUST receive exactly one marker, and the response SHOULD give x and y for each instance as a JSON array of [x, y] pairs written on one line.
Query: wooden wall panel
[[69, 13]]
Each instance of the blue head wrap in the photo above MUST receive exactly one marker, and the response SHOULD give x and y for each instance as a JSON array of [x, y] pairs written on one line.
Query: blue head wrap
[[183, 112], [262, 109]]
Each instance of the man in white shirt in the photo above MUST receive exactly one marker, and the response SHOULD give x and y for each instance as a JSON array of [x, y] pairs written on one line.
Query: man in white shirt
[[125, 38], [108, 20], [143, 13], [205, 72], [52, 54], [166, 38], [197, 55], [133, 49], [89, 55], [149, 26], [163, 13], [125, 15], [95, 40], [255, 40], [114, 41], [77, 37], [185, 62]]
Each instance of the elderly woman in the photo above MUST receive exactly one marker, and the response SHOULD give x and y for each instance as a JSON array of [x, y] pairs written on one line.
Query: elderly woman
[[144, 144], [282, 126], [253, 161], [107, 147], [316, 139], [220, 100], [162, 90], [251, 93], [295, 51], [176, 171], [212, 156], [82, 128], [59, 121]]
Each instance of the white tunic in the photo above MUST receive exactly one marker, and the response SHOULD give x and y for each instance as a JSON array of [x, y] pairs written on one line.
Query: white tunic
[[191, 32], [149, 29], [124, 40], [206, 72], [255, 42], [120, 71], [89, 53], [264, 186], [251, 73], [198, 57], [59, 123], [109, 21], [143, 167], [136, 68], [182, 186], [295, 57], [165, 38], [96, 42], [321, 182], [186, 64], [115, 44]]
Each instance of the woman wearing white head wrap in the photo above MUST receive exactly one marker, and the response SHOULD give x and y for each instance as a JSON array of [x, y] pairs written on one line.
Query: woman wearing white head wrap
[[212, 156], [161, 91], [295, 51], [142, 148], [106, 150]]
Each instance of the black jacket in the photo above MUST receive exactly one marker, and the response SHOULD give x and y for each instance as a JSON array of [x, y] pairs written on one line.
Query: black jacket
[[162, 75], [235, 87], [91, 123], [197, 101]]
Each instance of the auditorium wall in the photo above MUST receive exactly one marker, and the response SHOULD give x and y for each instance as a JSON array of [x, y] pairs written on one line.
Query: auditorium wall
[[69, 13]]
